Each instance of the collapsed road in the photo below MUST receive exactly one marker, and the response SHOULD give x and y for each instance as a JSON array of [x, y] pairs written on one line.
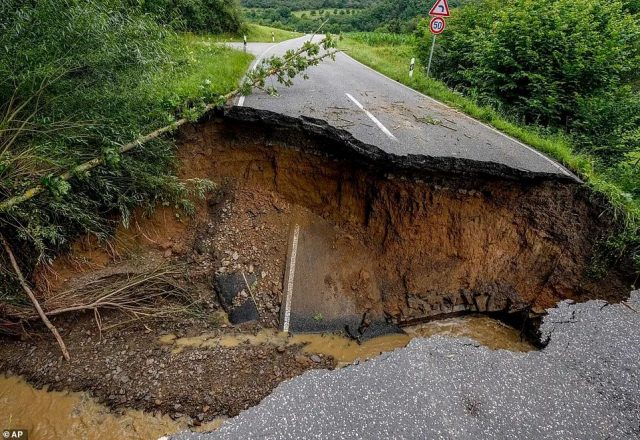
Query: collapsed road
[[412, 238], [400, 236], [583, 385], [428, 238], [379, 111]]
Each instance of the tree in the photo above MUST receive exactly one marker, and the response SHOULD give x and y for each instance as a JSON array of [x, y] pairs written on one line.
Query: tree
[[212, 16]]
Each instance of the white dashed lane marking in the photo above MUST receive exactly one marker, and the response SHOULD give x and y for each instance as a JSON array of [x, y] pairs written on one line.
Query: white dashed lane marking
[[375, 120]]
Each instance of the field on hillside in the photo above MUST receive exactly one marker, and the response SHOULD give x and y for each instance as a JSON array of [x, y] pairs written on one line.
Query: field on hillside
[[310, 13]]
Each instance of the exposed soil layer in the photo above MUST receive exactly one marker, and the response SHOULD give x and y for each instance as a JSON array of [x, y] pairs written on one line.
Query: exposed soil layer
[[440, 240], [441, 243]]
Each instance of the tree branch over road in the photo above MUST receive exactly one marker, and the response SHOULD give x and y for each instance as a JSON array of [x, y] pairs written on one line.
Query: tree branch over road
[[285, 69]]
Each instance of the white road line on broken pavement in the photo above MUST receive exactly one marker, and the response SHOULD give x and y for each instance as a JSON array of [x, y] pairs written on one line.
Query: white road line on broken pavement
[[384, 129], [559, 167], [292, 272]]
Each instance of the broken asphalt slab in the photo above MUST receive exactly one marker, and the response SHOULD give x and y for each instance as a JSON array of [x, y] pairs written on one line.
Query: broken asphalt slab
[[342, 143], [327, 271], [378, 111], [233, 290], [584, 385]]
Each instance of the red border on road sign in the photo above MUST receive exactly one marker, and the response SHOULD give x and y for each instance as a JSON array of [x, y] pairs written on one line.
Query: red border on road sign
[[445, 9], [435, 20]]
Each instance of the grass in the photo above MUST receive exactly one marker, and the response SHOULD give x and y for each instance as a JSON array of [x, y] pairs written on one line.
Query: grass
[[382, 39], [257, 33], [217, 69], [391, 55]]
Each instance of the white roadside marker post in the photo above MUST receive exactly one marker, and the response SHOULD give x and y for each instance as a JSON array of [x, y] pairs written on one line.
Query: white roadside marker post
[[273, 37], [412, 66], [245, 42]]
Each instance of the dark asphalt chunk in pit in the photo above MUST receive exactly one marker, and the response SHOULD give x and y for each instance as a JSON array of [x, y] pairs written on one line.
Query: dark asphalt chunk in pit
[[233, 290]]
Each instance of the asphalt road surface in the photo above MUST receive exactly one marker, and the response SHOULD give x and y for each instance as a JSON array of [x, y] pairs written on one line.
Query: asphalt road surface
[[379, 111], [584, 385]]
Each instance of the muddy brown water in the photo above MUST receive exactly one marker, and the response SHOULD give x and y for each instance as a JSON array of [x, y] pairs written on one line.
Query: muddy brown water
[[63, 415], [487, 331], [52, 415]]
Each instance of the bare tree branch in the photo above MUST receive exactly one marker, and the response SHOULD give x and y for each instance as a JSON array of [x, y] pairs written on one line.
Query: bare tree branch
[[32, 297]]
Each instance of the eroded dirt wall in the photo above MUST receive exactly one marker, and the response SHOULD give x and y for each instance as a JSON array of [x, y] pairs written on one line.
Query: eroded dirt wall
[[441, 242]]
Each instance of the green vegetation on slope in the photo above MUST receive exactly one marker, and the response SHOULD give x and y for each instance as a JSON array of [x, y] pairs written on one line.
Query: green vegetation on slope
[[566, 64], [203, 16], [78, 80], [390, 54]]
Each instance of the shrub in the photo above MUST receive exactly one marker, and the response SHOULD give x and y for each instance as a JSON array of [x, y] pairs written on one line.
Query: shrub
[[540, 58], [77, 81], [207, 16]]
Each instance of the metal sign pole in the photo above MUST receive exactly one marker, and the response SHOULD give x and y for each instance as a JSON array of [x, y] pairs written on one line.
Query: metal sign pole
[[433, 45]]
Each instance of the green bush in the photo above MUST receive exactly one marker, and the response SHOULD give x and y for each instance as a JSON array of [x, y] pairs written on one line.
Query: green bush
[[205, 16], [560, 63]]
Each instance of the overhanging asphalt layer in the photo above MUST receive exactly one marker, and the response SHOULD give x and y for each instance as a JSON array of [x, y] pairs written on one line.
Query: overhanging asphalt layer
[[340, 143], [584, 385], [378, 111]]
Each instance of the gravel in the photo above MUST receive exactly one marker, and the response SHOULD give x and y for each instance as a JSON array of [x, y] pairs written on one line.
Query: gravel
[[584, 385]]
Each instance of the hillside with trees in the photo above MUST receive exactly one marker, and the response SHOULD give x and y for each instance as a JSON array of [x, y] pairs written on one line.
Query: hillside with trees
[[212, 16], [400, 16], [305, 5]]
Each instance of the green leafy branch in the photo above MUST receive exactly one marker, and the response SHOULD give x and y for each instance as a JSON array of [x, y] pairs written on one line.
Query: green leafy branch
[[284, 69]]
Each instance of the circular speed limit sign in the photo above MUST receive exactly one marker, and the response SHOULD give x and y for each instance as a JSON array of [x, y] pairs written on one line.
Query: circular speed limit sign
[[437, 25]]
